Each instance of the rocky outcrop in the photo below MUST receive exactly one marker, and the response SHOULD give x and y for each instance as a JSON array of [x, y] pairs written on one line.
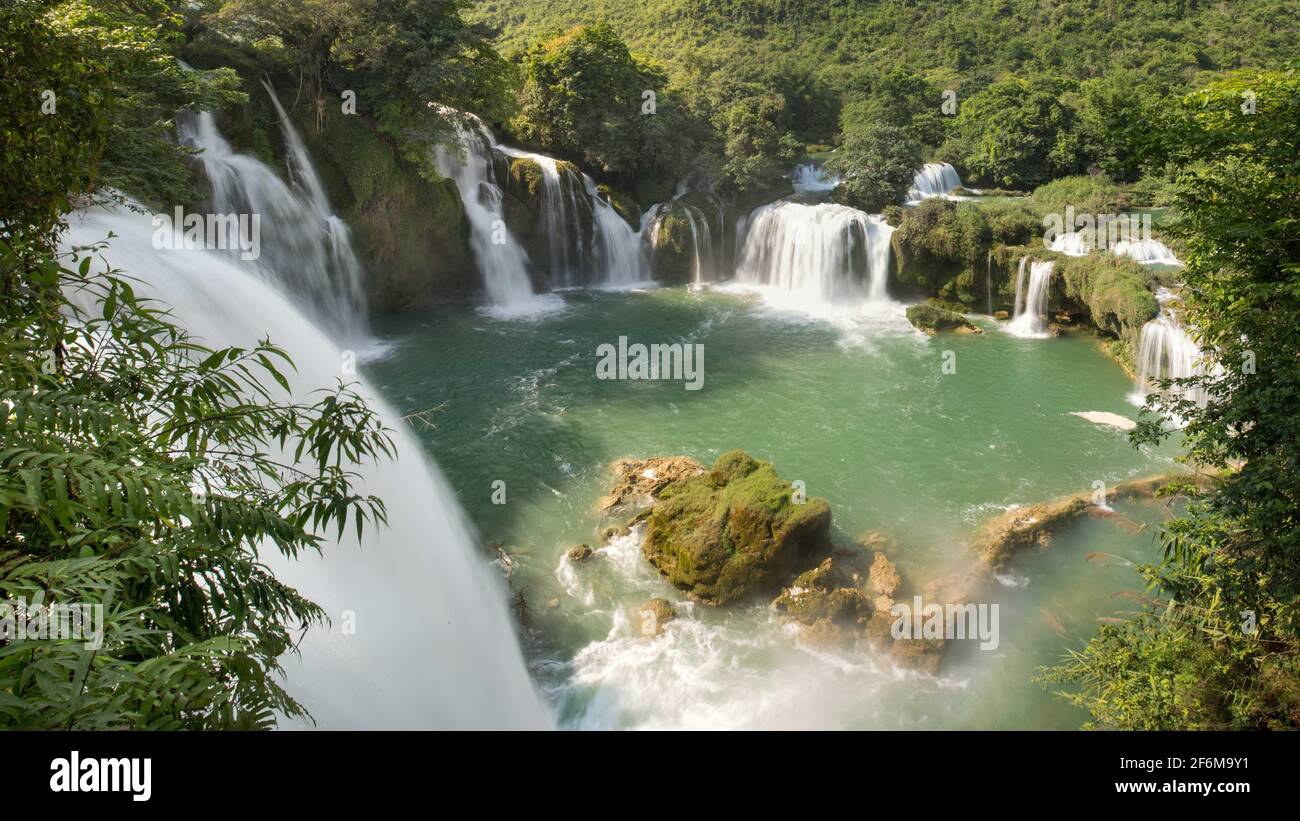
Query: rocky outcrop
[[637, 482], [410, 229], [734, 531], [932, 320], [839, 597], [1000, 539]]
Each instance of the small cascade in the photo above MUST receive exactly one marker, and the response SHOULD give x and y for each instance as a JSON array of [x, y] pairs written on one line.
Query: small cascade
[[704, 248], [742, 224], [1147, 252], [586, 241], [935, 179], [305, 250], [1167, 351], [501, 260], [825, 254], [1030, 318], [811, 178], [1071, 244]]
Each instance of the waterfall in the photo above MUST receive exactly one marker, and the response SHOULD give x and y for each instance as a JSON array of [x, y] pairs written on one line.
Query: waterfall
[[501, 260], [827, 254], [1146, 251], [1030, 319], [609, 254], [1071, 244], [305, 250], [704, 251], [434, 646], [1167, 351], [811, 178], [935, 179]]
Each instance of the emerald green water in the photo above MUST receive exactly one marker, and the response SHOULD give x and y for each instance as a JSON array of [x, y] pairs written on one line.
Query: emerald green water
[[859, 409]]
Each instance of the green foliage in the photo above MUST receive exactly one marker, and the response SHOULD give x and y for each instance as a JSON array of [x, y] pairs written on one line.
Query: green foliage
[[89, 89], [582, 98], [876, 164], [1091, 194], [1222, 652], [1018, 132], [142, 472]]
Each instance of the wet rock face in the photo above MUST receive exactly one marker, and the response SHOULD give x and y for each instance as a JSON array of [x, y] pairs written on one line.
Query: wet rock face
[[733, 531], [653, 616], [841, 597], [931, 320]]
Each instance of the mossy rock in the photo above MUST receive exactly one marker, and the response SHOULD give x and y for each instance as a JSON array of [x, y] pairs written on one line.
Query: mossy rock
[[672, 248], [734, 531], [622, 204], [526, 179], [410, 228], [931, 320]]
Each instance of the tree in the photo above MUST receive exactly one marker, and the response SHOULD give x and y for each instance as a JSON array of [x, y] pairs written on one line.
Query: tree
[[1112, 118], [1018, 132], [140, 472], [582, 98], [1218, 646], [876, 163]]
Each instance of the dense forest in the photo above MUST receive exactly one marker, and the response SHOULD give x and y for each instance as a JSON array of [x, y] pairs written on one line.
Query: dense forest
[[141, 469]]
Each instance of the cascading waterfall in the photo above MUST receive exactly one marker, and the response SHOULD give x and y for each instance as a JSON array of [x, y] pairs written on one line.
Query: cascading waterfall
[[1030, 318], [587, 242], [305, 250], [811, 178], [826, 254], [433, 645], [704, 251], [1167, 351], [1145, 251], [501, 260], [935, 179]]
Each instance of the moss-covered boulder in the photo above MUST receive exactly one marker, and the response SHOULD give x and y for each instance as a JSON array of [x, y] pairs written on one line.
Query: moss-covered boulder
[[622, 204], [941, 248], [552, 217], [930, 320], [688, 229], [734, 531]]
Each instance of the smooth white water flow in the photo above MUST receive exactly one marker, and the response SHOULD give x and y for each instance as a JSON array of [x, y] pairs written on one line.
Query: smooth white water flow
[[934, 179], [1167, 351], [606, 254], [827, 254], [305, 250], [433, 646], [1030, 318], [1147, 252], [501, 260], [1071, 244], [704, 250], [811, 178]]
